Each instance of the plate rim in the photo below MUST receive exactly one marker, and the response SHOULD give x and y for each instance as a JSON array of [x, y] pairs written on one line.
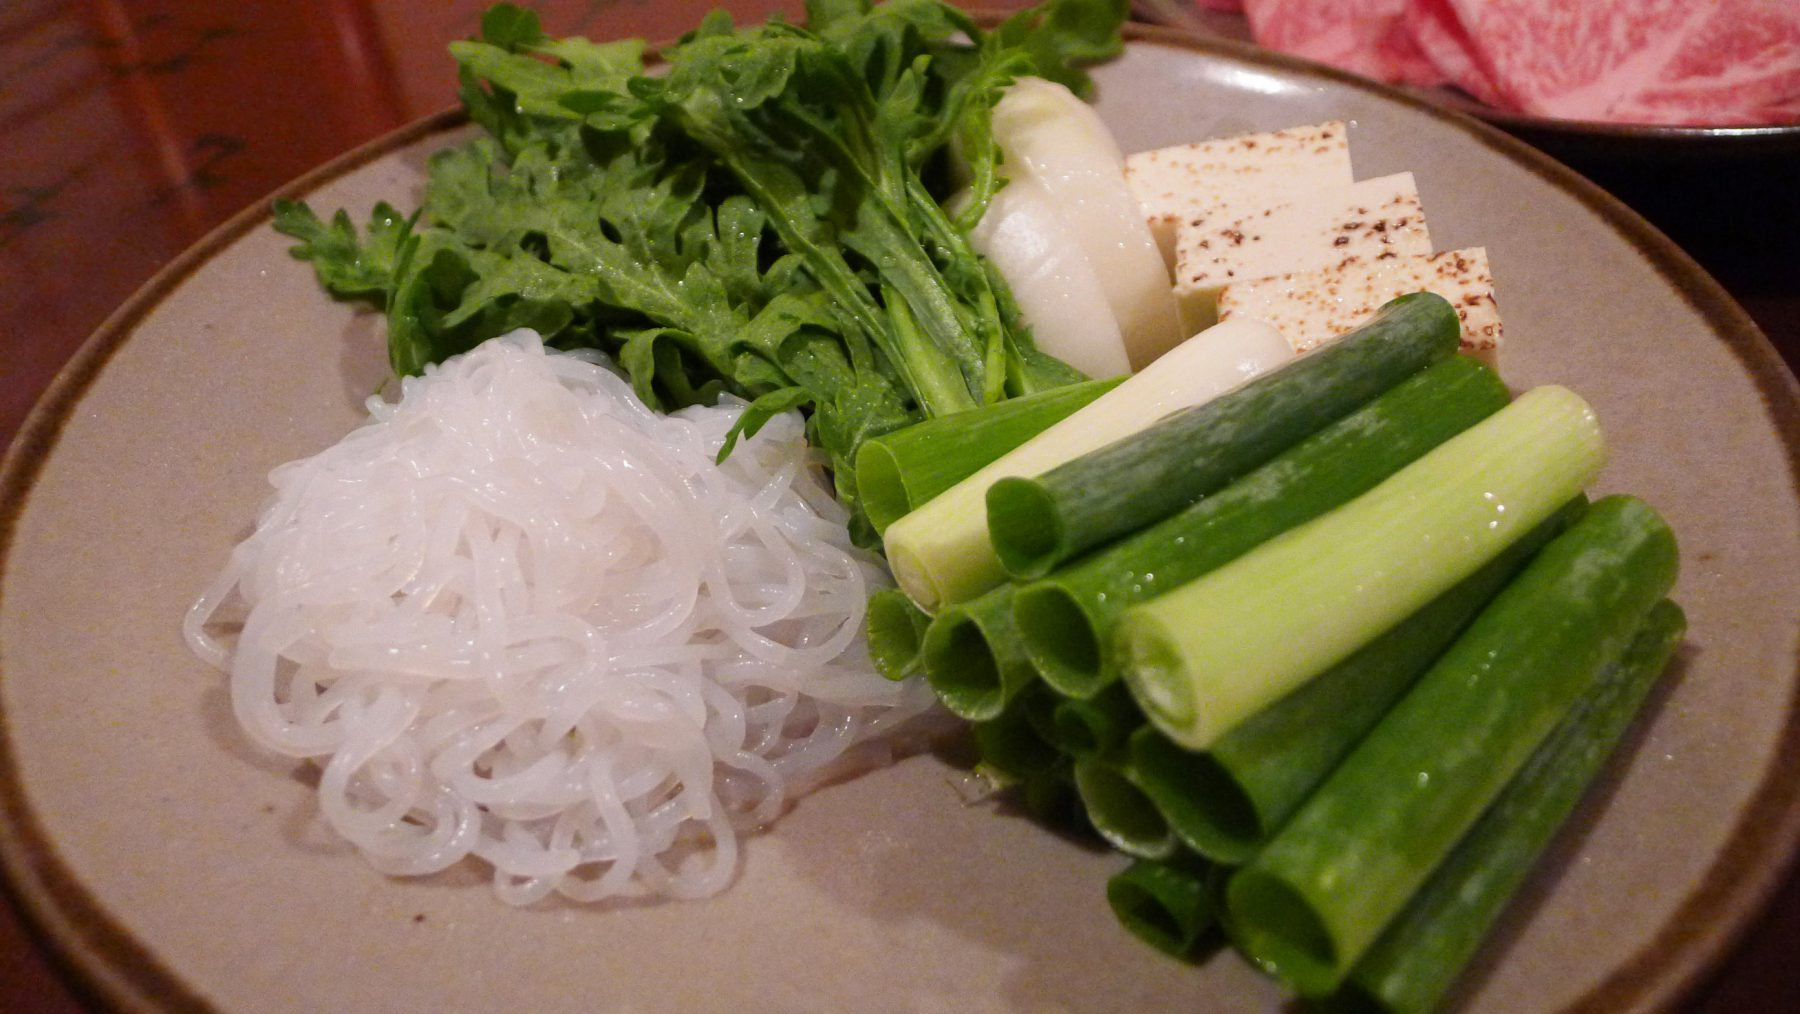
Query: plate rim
[[103, 961], [99, 958]]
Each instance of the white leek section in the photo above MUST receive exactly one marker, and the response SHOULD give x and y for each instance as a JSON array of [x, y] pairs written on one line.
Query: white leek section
[[940, 553], [1056, 288], [1049, 135]]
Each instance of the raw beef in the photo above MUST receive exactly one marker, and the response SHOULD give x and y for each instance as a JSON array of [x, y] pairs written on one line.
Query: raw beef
[[1366, 37], [1441, 36], [1649, 61], [1714, 62]]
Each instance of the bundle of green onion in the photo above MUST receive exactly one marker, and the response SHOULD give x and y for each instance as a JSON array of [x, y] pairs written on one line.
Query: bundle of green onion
[[1330, 655]]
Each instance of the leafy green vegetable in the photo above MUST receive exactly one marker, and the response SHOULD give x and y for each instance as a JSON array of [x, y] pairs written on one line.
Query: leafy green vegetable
[[764, 219], [350, 268]]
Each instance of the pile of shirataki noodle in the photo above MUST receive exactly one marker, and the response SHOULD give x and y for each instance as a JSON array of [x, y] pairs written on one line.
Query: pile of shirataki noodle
[[518, 615]]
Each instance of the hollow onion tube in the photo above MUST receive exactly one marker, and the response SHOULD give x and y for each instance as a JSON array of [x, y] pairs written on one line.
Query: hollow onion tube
[[1089, 728], [1225, 801], [1010, 743], [898, 471], [1316, 897], [1169, 904], [1421, 953], [1215, 651], [895, 627], [1064, 617], [1014, 752], [1118, 809], [1036, 523], [973, 658], [940, 553], [1049, 135]]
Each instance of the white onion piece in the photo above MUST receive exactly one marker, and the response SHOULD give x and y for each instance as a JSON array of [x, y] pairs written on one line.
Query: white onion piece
[[1048, 134], [1058, 293], [1218, 359]]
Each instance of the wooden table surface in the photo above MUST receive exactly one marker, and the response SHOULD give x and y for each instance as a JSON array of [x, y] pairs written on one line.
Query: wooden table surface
[[131, 127]]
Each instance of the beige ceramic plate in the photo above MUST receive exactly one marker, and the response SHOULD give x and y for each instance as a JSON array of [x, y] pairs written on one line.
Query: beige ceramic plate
[[179, 868]]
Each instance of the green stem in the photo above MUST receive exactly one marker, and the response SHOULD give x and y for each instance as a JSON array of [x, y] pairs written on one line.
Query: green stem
[[1213, 652], [1066, 617], [1420, 955], [1037, 523], [1225, 801], [1313, 901]]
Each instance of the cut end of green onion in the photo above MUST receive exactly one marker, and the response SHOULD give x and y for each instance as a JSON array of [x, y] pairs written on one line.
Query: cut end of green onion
[[914, 576], [896, 628], [1153, 668], [1011, 741], [1279, 930], [1095, 727], [961, 667], [1061, 641], [1204, 803], [1148, 919], [1023, 527], [1167, 904], [1076, 733], [881, 485], [1121, 812], [1227, 822]]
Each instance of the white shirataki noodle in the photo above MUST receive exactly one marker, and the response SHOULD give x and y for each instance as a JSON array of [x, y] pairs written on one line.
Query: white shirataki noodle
[[518, 615]]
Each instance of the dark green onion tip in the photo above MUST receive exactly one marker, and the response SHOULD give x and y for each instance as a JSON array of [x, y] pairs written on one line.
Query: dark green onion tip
[[1023, 526], [1169, 904], [1121, 812], [1207, 807], [896, 628], [1061, 640], [962, 668]]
